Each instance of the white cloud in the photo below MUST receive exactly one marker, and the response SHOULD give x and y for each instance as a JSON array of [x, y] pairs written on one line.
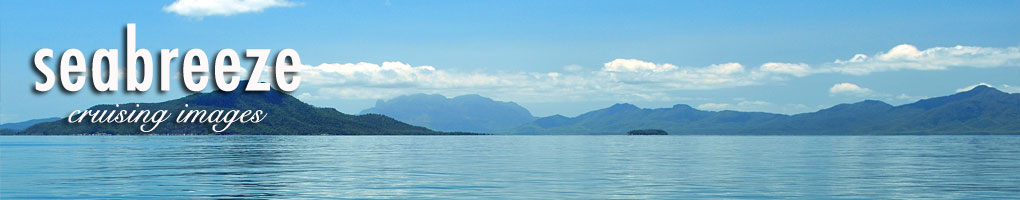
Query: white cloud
[[968, 88], [848, 89], [741, 104], [378, 78], [910, 98], [753, 103], [376, 81], [669, 76], [725, 69], [908, 57], [798, 69], [713, 106], [372, 81], [634, 65], [627, 80], [202, 8], [1004, 87], [744, 105]]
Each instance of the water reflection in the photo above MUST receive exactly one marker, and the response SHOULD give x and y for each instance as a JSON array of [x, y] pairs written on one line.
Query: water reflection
[[589, 167]]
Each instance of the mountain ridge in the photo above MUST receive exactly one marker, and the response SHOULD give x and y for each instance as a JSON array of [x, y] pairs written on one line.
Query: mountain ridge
[[982, 110]]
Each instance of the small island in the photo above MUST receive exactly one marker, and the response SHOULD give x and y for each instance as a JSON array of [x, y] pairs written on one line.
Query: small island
[[647, 132]]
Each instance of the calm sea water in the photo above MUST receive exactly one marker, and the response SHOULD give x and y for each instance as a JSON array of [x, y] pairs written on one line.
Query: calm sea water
[[532, 167]]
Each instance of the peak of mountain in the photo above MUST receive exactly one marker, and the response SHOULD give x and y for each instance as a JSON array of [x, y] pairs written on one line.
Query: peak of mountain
[[623, 106], [683, 107], [979, 93], [471, 97], [982, 89], [870, 102], [286, 115], [470, 113], [863, 106]]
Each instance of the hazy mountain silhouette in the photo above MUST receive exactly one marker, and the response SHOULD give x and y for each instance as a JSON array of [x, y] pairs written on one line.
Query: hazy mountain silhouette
[[286, 116], [620, 118], [982, 110], [470, 113], [18, 126]]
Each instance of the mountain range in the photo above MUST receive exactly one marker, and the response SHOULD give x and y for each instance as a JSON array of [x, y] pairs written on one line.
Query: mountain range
[[982, 110], [286, 116], [467, 113]]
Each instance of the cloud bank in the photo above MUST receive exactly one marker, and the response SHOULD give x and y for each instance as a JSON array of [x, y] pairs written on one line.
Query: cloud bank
[[621, 79], [203, 8], [908, 57], [628, 79]]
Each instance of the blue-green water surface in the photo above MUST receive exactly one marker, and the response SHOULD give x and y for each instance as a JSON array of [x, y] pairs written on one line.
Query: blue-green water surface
[[513, 167]]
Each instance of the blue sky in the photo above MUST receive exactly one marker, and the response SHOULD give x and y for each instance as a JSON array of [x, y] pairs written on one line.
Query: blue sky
[[553, 57]]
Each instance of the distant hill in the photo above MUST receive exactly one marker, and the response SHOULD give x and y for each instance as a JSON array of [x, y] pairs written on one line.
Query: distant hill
[[286, 116], [621, 118], [470, 113], [18, 126], [982, 110]]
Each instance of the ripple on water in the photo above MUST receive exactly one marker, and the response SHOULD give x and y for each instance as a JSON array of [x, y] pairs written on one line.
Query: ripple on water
[[589, 167]]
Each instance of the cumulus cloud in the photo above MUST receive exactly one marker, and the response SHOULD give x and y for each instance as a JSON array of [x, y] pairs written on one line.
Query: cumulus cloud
[[634, 65], [373, 81], [908, 57], [669, 76], [798, 69], [849, 89], [725, 69], [202, 8], [621, 80], [628, 79]]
